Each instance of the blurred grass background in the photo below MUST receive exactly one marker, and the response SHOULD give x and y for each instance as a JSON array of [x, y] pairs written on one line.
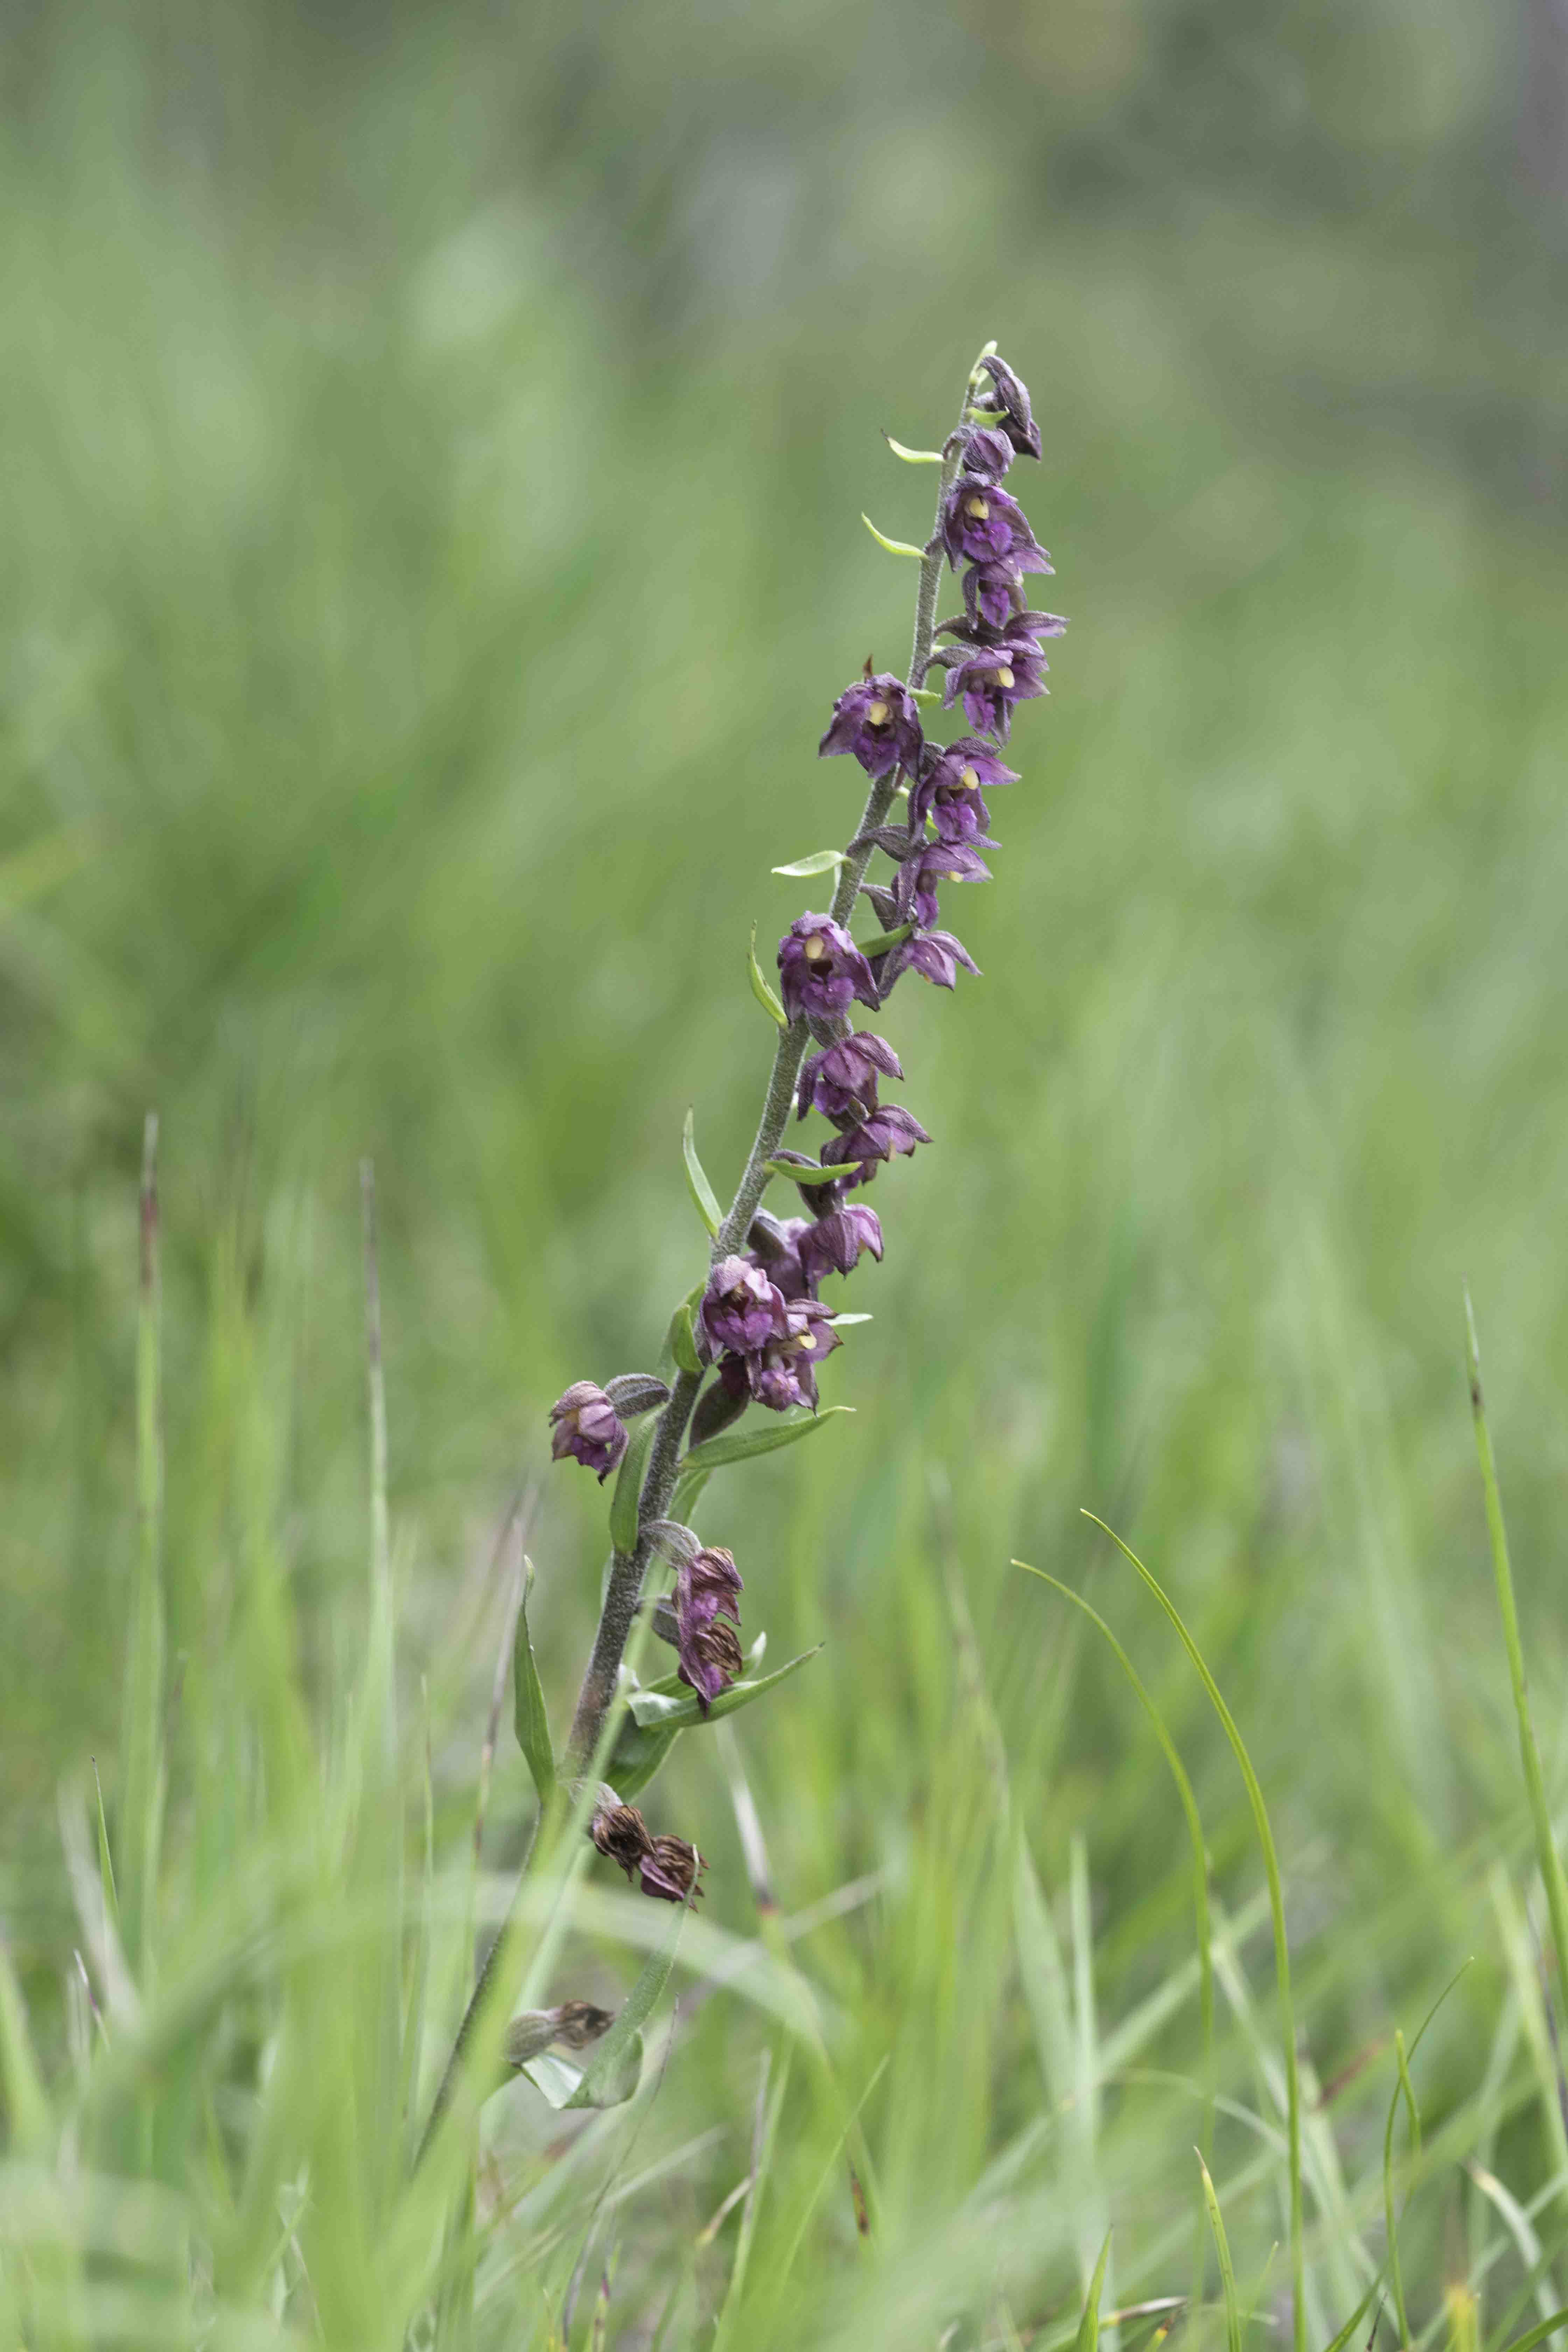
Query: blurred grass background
[[436, 440]]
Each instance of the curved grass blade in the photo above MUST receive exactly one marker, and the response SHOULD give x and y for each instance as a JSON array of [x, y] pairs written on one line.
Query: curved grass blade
[[1088, 2337], [657, 1717], [893, 546], [609, 2061], [911, 456], [702, 1193], [1546, 1854], [1226, 2275], [624, 1503], [1276, 1912], [739, 1445], [821, 861], [1354, 2321], [1539, 2332]]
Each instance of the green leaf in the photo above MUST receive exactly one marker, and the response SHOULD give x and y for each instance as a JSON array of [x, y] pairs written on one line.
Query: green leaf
[[1538, 2333], [683, 1340], [925, 694], [702, 1193], [760, 990], [1226, 2273], [1089, 2325], [821, 861], [893, 546], [529, 1718], [884, 940], [810, 1173], [628, 1489], [673, 1708], [641, 1746], [612, 2073], [912, 456], [740, 1444]]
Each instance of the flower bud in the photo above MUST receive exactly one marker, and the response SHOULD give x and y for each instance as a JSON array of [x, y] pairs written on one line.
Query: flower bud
[[587, 1427]]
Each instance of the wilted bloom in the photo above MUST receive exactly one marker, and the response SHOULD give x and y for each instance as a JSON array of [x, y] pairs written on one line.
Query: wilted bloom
[[983, 524], [992, 679], [621, 1835], [935, 955], [842, 1081], [784, 1373], [821, 969], [938, 861], [740, 1309], [994, 592], [667, 1866], [588, 1428], [949, 788], [834, 1244], [987, 450], [706, 1583], [877, 720], [710, 1657], [1008, 401], [887, 1132], [669, 1869]]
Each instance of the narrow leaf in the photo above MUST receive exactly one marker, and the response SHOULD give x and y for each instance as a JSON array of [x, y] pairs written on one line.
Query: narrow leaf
[[821, 861], [563, 2084], [628, 1489], [1539, 2334], [912, 456], [680, 1708], [759, 989], [27, 2102], [884, 940], [529, 1715], [741, 1445], [925, 694], [893, 546], [1089, 2325], [1226, 2273], [608, 2065], [802, 1171], [702, 1193], [683, 1340]]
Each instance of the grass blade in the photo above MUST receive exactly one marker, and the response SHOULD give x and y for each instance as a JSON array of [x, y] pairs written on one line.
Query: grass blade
[[765, 996], [702, 1193], [1276, 1910], [1546, 1852], [1227, 2276], [1088, 2337], [143, 1762]]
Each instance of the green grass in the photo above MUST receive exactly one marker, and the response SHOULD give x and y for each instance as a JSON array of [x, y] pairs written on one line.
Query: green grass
[[435, 464]]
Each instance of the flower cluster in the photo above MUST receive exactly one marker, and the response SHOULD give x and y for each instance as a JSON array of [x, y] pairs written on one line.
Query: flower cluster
[[761, 1325]]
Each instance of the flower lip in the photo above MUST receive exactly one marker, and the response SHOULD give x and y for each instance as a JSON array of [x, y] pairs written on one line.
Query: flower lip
[[821, 969], [876, 720]]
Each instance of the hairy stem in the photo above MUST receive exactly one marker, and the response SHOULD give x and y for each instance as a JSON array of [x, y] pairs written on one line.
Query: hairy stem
[[624, 1586]]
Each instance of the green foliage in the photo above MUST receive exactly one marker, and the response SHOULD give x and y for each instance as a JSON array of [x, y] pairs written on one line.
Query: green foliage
[[434, 460]]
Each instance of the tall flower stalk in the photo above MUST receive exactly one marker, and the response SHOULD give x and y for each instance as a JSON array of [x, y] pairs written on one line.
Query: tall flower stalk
[[754, 1332]]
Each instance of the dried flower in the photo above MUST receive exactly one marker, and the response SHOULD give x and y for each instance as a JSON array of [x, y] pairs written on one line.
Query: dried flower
[[669, 1869], [877, 720], [842, 1081], [740, 1308], [587, 1427], [821, 969], [621, 1835], [710, 1657], [1008, 400]]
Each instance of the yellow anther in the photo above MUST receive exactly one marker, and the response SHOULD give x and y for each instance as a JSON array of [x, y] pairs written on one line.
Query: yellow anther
[[979, 508], [969, 780], [1003, 677], [877, 714]]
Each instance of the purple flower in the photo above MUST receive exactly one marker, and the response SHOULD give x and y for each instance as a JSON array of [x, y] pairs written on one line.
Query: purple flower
[[877, 720], [938, 861], [740, 1309], [888, 1131], [587, 1427], [987, 451], [949, 788], [834, 1244], [992, 679], [821, 969], [982, 524], [784, 1373], [995, 591], [1008, 401], [775, 1247], [843, 1080], [935, 955], [706, 1586]]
